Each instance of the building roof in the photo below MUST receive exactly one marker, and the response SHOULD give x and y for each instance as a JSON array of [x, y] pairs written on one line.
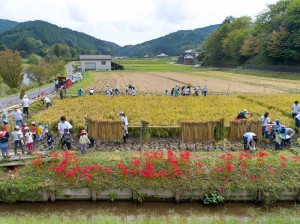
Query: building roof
[[95, 57]]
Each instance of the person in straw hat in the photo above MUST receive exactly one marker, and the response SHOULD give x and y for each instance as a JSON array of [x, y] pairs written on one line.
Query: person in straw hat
[[242, 115]]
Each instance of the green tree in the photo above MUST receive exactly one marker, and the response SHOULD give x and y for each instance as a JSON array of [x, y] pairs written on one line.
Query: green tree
[[11, 68]]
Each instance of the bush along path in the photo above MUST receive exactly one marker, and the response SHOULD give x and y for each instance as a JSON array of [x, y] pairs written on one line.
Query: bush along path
[[266, 172]]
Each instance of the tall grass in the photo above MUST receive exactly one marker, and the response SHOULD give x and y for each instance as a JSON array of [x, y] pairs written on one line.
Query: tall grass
[[78, 217]]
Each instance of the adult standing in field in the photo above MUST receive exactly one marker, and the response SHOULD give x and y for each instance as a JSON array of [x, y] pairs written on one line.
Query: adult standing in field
[[295, 109], [197, 89], [204, 90], [25, 104], [92, 91], [61, 92], [125, 126], [265, 120], [17, 114], [56, 85], [18, 139], [62, 125]]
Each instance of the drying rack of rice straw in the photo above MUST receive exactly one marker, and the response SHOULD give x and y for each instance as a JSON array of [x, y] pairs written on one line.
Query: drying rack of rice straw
[[238, 128], [105, 130], [192, 131]]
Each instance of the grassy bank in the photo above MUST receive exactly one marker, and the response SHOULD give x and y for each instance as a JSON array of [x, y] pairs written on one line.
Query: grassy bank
[[270, 171], [88, 79]]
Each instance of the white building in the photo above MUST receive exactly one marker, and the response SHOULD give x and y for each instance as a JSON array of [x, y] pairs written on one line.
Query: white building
[[95, 62]]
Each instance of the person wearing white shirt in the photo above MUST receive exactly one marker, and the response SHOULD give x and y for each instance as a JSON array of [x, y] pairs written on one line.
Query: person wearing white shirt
[[17, 114], [295, 109], [250, 140], [91, 92], [25, 104], [63, 124], [297, 121], [265, 120], [125, 126]]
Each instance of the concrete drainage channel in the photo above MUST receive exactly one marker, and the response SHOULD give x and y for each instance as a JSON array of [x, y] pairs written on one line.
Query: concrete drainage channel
[[176, 195]]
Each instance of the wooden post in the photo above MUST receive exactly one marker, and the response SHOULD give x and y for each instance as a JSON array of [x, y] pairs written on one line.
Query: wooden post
[[177, 196], [94, 195]]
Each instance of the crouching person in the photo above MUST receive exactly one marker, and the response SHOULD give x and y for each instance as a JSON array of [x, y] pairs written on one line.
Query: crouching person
[[84, 141], [4, 144], [250, 141]]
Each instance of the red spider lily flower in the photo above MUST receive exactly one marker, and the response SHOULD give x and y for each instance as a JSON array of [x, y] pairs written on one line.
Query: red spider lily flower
[[225, 180], [170, 153], [84, 170], [54, 154], [158, 155], [262, 154], [172, 160], [252, 177], [296, 158], [37, 161], [64, 162], [120, 165], [282, 157], [94, 167], [246, 155], [136, 162], [243, 164], [229, 166], [146, 173], [227, 156], [260, 177], [186, 155], [107, 170], [150, 166], [271, 171], [125, 171], [40, 155], [163, 173], [283, 165], [133, 172], [88, 178], [77, 168], [200, 164], [177, 171], [219, 168], [60, 169], [70, 173], [52, 167]]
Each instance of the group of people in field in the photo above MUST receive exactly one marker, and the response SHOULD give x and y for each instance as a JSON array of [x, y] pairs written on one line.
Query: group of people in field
[[26, 138], [130, 91], [186, 90], [274, 131]]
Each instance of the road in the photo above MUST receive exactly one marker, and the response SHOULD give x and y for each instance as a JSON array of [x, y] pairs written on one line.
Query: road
[[11, 100]]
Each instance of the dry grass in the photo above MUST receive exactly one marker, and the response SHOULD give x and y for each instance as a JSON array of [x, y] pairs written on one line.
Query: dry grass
[[218, 82]]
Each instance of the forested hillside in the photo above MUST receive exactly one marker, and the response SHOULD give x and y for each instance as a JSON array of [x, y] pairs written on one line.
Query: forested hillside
[[6, 25], [272, 39], [171, 44], [38, 36]]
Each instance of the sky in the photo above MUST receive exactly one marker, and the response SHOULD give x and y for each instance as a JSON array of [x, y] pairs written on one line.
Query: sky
[[127, 22]]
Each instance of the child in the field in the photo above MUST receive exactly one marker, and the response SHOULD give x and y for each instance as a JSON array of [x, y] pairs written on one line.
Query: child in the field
[[5, 127], [84, 141], [66, 139], [39, 131], [28, 139], [33, 130], [49, 138]]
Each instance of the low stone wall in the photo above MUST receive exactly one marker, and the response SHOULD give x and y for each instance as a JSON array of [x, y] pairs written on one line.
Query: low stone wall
[[153, 195]]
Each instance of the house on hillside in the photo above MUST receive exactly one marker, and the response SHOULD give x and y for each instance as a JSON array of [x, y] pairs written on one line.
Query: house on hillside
[[95, 62], [188, 57]]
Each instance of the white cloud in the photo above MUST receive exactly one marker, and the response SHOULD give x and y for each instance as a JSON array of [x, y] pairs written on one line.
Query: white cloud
[[131, 21]]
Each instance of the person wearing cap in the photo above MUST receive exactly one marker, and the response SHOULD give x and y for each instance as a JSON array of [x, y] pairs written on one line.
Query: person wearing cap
[[33, 130], [63, 124], [66, 139], [84, 141], [250, 140], [4, 137], [18, 139], [25, 104], [197, 89], [28, 139], [204, 90], [242, 114], [125, 126], [17, 114], [49, 138], [5, 127]]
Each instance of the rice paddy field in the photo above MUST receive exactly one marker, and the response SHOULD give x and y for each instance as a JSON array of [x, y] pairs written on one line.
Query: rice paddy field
[[167, 110], [229, 92]]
